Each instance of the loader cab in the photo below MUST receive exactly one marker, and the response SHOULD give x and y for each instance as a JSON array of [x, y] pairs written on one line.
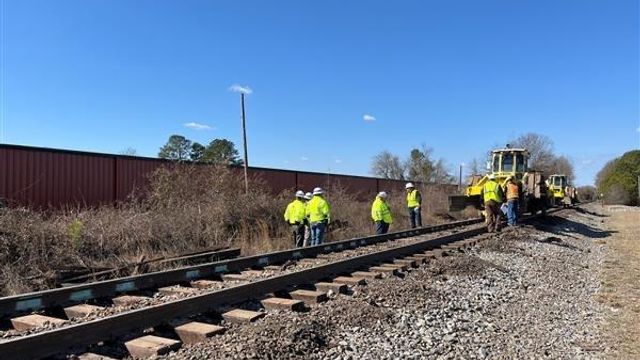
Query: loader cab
[[559, 181], [509, 161], [557, 184]]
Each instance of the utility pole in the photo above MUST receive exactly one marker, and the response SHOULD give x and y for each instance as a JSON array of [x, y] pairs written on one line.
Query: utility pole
[[460, 177], [244, 142]]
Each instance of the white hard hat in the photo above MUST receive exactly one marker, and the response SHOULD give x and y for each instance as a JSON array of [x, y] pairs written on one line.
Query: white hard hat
[[492, 176], [308, 196], [382, 194], [300, 193], [408, 186], [318, 191]]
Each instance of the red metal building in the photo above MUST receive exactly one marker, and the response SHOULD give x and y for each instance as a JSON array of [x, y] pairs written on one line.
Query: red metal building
[[42, 178]]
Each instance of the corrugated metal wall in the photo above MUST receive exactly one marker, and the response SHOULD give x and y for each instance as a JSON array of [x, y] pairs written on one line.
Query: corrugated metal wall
[[47, 178], [132, 174], [40, 177]]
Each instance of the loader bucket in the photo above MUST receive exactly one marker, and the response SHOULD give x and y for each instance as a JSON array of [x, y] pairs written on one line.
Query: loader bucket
[[457, 202]]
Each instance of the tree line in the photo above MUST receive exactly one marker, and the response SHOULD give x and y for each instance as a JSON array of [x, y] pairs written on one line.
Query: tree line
[[618, 179], [542, 156], [420, 165], [218, 151]]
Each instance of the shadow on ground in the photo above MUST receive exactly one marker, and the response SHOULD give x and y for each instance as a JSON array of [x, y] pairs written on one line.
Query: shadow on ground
[[583, 211], [566, 227]]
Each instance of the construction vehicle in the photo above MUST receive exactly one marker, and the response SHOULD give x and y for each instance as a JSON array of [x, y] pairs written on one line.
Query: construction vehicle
[[556, 184], [504, 163], [570, 196], [560, 192]]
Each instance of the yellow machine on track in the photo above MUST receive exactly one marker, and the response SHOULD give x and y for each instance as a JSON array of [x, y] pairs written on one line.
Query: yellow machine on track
[[557, 184], [504, 163], [560, 192]]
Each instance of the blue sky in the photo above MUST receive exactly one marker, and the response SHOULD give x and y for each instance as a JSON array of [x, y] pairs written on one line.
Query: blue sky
[[458, 76]]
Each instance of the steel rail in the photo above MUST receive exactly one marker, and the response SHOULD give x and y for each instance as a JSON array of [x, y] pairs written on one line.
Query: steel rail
[[71, 295], [64, 339]]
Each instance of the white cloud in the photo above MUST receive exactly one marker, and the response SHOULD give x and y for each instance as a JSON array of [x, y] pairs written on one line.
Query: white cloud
[[197, 126], [304, 158], [368, 118], [240, 89]]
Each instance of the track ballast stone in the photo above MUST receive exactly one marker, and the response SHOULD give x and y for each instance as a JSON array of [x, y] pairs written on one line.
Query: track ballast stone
[[527, 294]]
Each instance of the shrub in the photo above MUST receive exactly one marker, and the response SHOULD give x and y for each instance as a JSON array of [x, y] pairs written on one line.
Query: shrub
[[188, 207], [618, 180]]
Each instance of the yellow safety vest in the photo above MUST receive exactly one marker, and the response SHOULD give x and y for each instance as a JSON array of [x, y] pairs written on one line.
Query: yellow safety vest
[[318, 209], [412, 198], [491, 191], [380, 211], [295, 212]]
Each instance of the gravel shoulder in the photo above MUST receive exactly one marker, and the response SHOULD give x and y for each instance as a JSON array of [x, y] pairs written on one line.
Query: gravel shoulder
[[621, 281], [528, 292]]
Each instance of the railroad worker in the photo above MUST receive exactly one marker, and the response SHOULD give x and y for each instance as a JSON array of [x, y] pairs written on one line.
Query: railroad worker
[[381, 213], [319, 213], [513, 198], [307, 228], [414, 202], [295, 215], [492, 197]]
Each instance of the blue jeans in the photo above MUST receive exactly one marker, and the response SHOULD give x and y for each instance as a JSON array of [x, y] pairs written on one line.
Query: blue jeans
[[381, 227], [512, 212], [317, 233], [416, 217]]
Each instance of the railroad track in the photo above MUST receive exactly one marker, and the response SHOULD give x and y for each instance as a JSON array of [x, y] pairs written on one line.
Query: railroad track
[[291, 278]]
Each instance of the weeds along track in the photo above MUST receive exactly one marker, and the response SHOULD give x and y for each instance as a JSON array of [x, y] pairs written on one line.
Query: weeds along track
[[77, 318]]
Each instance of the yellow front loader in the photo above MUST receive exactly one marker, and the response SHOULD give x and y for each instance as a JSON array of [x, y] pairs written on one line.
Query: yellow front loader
[[504, 163], [557, 184]]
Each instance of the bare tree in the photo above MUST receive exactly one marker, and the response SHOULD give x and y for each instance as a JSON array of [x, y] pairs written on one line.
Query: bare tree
[[562, 165], [474, 167], [587, 193], [540, 149], [441, 173], [387, 165], [129, 151]]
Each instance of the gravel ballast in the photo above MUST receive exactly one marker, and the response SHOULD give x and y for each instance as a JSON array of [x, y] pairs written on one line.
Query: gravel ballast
[[525, 293]]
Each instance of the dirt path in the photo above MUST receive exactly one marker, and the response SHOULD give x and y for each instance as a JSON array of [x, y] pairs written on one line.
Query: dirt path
[[620, 290]]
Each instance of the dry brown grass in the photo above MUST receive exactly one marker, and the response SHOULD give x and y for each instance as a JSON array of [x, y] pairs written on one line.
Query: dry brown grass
[[620, 287], [188, 208]]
